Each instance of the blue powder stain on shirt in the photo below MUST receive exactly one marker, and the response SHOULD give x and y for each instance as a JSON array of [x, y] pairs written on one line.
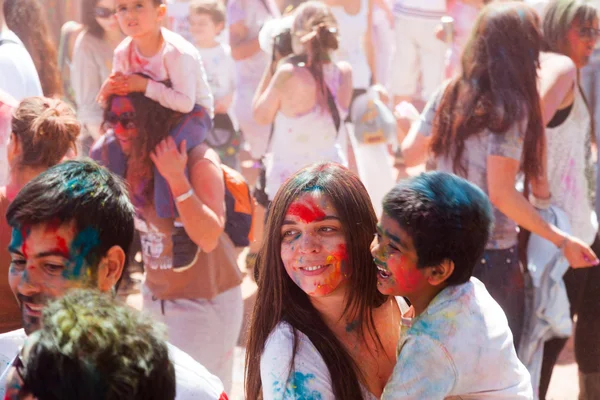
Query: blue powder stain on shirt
[[298, 387], [81, 247]]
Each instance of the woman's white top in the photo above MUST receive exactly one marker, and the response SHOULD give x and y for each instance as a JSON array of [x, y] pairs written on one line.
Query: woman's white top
[[352, 31], [568, 167], [304, 139]]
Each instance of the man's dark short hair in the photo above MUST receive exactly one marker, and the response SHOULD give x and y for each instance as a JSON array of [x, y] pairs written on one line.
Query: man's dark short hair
[[447, 218], [92, 348], [82, 192]]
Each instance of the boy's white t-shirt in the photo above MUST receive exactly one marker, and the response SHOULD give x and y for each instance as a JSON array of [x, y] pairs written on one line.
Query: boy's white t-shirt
[[220, 70], [193, 381], [177, 61], [310, 379], [460, 348]]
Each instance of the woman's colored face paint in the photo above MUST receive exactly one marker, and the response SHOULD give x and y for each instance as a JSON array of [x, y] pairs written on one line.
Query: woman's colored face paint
[[396, 260], [313, 247], [122, 111]]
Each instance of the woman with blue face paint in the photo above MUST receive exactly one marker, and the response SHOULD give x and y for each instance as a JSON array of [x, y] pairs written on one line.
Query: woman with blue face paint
[[486, 125], [42, 132], [320, 328]]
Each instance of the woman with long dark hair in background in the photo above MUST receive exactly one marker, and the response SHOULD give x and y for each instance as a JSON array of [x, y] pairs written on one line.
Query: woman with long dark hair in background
[[486, 125], [26, 18]]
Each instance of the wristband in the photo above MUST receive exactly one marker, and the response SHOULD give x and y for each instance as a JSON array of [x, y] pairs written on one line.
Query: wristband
[[183, 197], [539, 203]]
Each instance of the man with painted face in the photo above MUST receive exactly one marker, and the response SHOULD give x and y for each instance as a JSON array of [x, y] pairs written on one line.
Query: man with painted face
[[71, 228]]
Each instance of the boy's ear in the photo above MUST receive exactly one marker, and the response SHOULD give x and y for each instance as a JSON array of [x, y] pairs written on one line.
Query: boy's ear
[[111, 268], [220, 26], [438, 274]]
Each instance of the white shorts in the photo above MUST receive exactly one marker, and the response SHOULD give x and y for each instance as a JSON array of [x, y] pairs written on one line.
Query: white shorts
[[418, 54], [207, 330]]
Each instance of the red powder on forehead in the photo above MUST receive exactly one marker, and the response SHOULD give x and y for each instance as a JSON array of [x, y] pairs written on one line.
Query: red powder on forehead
[[24, 234], [307, 210]]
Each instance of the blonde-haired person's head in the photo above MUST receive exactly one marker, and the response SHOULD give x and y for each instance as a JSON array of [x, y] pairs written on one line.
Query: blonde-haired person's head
[[43, 131], [315, 27]]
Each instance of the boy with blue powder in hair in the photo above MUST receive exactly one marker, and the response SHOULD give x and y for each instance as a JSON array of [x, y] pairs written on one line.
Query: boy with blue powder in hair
[[455, 339]]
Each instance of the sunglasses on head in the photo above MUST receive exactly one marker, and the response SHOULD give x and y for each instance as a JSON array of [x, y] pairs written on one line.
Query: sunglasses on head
[[127, 120], [103, 12], [590, 33]]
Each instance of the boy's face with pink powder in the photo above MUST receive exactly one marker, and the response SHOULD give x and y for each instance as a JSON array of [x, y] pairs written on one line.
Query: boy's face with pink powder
[[138, 18]]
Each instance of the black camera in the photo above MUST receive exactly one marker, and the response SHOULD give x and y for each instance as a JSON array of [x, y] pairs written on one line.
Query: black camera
[[282, 43]]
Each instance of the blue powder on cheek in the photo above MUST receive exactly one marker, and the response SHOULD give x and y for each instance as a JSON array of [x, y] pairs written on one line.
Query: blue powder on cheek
[[297, 387], [82, 245]]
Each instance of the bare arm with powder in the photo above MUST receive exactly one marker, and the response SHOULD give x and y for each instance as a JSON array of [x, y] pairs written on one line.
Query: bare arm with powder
[[202, 214]]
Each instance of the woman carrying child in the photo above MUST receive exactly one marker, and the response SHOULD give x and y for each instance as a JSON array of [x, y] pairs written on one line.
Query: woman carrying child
[[192, 282]]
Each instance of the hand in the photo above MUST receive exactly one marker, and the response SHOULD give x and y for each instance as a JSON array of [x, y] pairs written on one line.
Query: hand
[[169, 160], [136, 83], [579, 254], [220, 108], [439, 33], [114, 84]]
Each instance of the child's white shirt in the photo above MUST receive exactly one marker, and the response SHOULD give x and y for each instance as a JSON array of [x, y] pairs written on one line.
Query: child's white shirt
[[220, 70], [459, 347], [177, 61]]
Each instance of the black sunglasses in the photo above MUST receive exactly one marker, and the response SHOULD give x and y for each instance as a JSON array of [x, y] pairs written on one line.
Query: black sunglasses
[[127, 120], [103, 12]]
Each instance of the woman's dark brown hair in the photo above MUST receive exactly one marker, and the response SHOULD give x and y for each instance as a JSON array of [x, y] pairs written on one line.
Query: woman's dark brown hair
[[88, 18], [279, 299], [45, 130], [153, 123], [27, 20], [497, 87]]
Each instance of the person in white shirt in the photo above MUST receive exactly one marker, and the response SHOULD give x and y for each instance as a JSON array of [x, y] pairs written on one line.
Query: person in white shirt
[[455, 341], [18, 76], [207, 21], [71, 228], [76, 355], [418, 53]]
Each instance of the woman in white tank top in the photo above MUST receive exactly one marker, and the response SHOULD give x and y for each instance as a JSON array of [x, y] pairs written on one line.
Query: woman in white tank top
[[305, 99]]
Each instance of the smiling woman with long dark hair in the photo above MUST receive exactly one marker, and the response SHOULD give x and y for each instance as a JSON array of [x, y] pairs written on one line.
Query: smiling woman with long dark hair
[[320, 328]]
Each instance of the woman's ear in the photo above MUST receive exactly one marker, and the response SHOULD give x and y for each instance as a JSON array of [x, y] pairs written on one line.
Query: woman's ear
[[440, 273]]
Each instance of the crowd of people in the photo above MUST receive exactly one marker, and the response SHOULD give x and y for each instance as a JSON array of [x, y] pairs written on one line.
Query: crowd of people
[[412, 185]]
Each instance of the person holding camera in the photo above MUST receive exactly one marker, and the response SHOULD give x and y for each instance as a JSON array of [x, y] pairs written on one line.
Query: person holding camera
[[304, 94]]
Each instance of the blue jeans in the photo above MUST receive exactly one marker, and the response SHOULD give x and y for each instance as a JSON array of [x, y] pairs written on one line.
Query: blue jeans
[[501, 273]]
